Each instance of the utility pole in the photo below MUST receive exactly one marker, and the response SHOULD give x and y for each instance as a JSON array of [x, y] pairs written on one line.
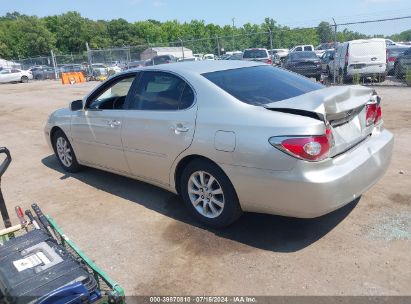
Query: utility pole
[[335, 48], [88, 55], [218, 46], [53, 59], [271, 40], [151, 48], [233, 19], [182, 46]]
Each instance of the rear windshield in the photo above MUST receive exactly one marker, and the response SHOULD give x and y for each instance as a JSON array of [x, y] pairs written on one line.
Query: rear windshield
[[261, 85], [255, 54], [396, 51], [303, 55]]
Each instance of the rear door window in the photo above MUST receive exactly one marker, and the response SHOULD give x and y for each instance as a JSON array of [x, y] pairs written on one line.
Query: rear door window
[[262, 85], [161, 91], [308, 48]]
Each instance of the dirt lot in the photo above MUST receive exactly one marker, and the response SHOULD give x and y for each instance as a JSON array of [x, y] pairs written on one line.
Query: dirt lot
[[143, 237]]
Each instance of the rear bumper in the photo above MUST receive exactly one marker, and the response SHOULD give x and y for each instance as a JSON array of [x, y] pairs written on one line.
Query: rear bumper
[[368, 71], [314, 189], [308, 72]]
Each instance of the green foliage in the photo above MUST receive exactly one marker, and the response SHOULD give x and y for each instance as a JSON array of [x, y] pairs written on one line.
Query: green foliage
[[28, 36], [324, 32], [22, 36]]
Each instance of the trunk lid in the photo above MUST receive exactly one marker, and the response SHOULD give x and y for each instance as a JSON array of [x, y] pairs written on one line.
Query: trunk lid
[[343, 108]]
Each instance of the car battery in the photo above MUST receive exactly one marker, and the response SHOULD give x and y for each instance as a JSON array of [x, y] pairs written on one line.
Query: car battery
[[34, 265]]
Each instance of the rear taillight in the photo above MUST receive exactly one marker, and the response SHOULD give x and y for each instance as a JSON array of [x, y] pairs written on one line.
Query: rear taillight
[[378, 115], [269, 61], [310, 148], [373, 114], [391, 59]]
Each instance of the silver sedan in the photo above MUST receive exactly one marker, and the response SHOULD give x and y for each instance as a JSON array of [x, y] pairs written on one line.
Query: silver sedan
[[229, 136]]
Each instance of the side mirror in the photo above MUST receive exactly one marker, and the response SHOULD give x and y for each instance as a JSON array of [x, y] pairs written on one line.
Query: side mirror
[[76, 105]]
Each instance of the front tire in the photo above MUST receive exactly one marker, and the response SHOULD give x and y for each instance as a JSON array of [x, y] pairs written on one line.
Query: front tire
[[208, 194], [24, 79], [64, 152]]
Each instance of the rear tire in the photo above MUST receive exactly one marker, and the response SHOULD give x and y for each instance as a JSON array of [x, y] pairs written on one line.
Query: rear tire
[[64, 152], [24, 79], [208, 194]]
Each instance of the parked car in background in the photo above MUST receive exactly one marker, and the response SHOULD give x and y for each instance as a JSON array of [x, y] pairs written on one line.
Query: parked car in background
[[15, 75], [43, 72], [326, 58], [189, 59], [66, 68], [291, 146], [99, 69], [275, 58], [393, 52], [320, 49], [362, 58], [389, 42], [236, 56], [403, 64], [209, 57], [257, 54], [162, 59], [305, 63], [114, 69], [135, 64], [282, 53], [303, 48]]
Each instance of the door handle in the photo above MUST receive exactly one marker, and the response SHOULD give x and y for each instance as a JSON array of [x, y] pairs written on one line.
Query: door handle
[[114, 123], [180, 128]]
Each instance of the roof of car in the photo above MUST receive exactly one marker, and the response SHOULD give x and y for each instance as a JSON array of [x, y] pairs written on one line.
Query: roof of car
[[200, 67]]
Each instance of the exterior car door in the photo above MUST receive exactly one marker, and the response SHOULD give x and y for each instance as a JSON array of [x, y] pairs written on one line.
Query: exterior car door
[[15, 75], [96, 130], [158, 124], [5, 75]]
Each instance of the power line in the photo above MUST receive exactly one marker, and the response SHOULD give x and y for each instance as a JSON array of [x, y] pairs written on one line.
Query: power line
[[375, 20]]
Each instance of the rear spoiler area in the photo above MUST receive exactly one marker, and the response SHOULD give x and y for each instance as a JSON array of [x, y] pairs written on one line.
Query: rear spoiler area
[[325, 102]]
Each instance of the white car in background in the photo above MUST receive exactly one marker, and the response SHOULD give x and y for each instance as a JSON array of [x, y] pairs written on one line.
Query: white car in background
[[209, 57], [189, 59], [362, 57], [15, 75], [303, 48], [282, 53]]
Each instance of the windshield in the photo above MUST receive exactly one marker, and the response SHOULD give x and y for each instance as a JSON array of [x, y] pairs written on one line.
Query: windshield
[[255, 54], [261, 85]]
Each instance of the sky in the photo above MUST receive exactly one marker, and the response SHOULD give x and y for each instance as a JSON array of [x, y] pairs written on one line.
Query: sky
[[291, 13]]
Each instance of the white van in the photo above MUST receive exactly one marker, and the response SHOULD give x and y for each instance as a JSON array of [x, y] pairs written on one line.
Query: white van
[[363, 57]]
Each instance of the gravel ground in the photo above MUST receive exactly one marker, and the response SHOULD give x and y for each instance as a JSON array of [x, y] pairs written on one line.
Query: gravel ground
[[144, 238]]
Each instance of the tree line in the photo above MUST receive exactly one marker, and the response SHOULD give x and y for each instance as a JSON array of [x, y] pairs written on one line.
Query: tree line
[[23, 36]]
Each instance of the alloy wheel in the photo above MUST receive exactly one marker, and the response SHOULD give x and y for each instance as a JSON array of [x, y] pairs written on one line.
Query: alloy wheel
[[64, 151], [206, 194]]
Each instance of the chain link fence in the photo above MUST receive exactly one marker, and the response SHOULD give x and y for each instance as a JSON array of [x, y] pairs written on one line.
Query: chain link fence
[[371, 59]]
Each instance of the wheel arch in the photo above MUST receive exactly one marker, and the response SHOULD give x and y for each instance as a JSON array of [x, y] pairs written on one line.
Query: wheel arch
[[53, 131], [182, 163]]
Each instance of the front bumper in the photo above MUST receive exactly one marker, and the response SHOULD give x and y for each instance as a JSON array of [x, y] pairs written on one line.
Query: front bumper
[[312, 189]]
